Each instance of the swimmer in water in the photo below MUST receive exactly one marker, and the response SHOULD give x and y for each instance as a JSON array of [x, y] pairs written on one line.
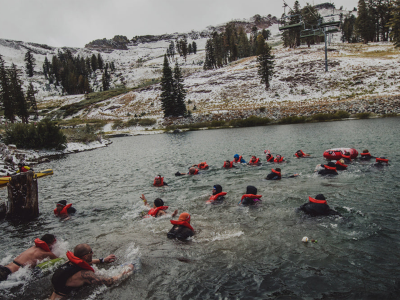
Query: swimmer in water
[[300, 153], [269, 156], [327, 169], [158, 208], [78, 272], [347, 157], [238, 159], [192, 171], [381, 162], [201, 166], [340, 166], [251, 197], [30, 257], [159, 181], [254, 161], [318, 207], [276, 175], [182, 228], [217, 195], [365, 155], [64, 210], [229, 164], [279, 159]]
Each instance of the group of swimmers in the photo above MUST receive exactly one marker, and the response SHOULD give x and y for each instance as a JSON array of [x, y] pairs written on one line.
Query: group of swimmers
[[77, 271]]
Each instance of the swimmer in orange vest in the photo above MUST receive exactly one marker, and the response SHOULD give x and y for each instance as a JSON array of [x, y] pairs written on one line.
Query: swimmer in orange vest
[[63, 210], [300, 153], [217, 195], [158, 208], [159, 181], [40, 251], [254, 161], [182, 228], [192, 171], [318, 207]]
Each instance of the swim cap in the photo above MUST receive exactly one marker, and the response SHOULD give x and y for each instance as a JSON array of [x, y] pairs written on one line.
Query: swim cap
[[236, 156], [158, 202], [331, 164], [184, 217], [251, 190], [217, 188], [320, 197]]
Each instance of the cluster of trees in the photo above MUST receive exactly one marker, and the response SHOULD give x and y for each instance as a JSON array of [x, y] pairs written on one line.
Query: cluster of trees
[[183, 48], [14, 102], [73, 73], [173, 92], [233, 44]]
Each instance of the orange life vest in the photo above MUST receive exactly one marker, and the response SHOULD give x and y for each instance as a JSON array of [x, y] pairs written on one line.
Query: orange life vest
[[330, 168], [202, 165], [317, 201], [340, 164], [302, 154], [382, 160], [228, 166], [215, 197], [154, 211], [254, 162], [158, 184], [276, 172], [271, 158], [346, 157], [78, 261], [183, 223], [64, 211], [250, 196], [42, 245], [195, 172], [239, 159], [365, 154], [278, 161]]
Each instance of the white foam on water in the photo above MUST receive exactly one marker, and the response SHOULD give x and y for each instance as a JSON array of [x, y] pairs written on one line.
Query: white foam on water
[[6, 260], [220, 236], [60, 247]]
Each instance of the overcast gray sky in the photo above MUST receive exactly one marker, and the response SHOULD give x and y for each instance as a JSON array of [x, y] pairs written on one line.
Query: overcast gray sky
[[76, 22]]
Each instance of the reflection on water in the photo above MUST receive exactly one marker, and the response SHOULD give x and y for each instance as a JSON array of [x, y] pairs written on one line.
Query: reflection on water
[[237, 252]]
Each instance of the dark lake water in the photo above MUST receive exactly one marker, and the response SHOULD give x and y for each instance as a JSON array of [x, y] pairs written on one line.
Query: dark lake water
[[237, 252]]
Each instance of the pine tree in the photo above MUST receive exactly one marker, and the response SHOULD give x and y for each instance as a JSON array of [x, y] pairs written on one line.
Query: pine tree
[[46, 67], [394, 23], [194, 47], [105, 80], [5, 92], [100, 62], [190, 48], [266, 65], [348, 32], [260, 44], [310, 17], [364, 22], [210, 61], [17, 95], [179, 92], [167, 90], [266, 34], [94, 64], [30, 63], [31, 100]]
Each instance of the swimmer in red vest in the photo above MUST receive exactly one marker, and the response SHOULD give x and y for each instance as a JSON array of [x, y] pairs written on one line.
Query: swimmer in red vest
[[318, 207], [254, 161], [269, 156], [279, 159], [365, 155], [192, 171], [78, 272], [63, 210], [40, 251], [251, 196], [229, 164], [326, 169], [159, 181], [347, 157], [276, 175], [238, 159], [158, 208], [381, 162], [202, 166], [182, 228], [340, 166], [300, 153], [217, 195]]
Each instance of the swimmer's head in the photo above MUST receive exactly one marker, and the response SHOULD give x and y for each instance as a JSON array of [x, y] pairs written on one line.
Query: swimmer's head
[[365, 151], [217, 189], [341, 160], [184, 217], [251, 190], [49, 239], [84, 251], [192, 170], [320, 197], [60, 205], [278, 170], [158, 202], [236, 156]]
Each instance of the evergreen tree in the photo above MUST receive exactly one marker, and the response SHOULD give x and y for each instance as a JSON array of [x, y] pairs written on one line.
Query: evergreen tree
[[46, 67], [260, 44], [94, 64], [394, 23], [100, 62], [190, 48], [194, 47], [167, 90], [88, 65], [17, 95], [210, 61], [30, 63], [266, 34], [348, 32], [31, 100], [179, 92], [244, 49], [310, 17], [364, 25], [105, 80], [171, 49], [266, 65], [5, 92]]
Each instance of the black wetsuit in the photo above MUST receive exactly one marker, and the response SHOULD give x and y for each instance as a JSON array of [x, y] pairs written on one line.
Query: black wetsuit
[[180, 232], [4, 272], [327, 172], [340, 168], [273, 176], [60, 277], [71, 210], [318, 209]]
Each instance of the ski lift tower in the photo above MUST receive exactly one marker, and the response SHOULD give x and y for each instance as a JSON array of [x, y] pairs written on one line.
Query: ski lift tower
[[328, 27]]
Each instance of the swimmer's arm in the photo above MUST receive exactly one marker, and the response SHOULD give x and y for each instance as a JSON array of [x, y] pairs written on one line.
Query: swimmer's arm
[[91, 278], [144, 200], [109, 259]]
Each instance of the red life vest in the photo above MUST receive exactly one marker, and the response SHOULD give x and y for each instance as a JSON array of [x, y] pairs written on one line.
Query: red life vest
[[340, 164], [195, 172], [278, 160], [202, 165], [346, 157], [238, 160], [78, 261], [215, 197], [276, 172], [298, 156], [271, 158], [64, 211], [251, 162], [42, 245], [330, 168], [183, 223], [317, 201], [365, 154], [250, 196], [228, 166], [154, 211], [158, 184], [382, 160]]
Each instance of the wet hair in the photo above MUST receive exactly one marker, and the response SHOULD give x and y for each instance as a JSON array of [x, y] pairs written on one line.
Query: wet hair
[[81, 250], [251, 190], [48, 239], [278, 169], [320, 197], [365, 151], [341, 160], [62, 202], [218, 188], [158, 202], [192, 170], [331, 164]]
